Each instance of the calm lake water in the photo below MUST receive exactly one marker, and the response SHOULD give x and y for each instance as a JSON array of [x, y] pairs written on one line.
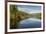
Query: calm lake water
[[30, 23]]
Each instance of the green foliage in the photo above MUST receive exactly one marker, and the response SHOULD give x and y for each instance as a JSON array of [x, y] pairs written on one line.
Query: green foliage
[[13, 8], [38, 15]]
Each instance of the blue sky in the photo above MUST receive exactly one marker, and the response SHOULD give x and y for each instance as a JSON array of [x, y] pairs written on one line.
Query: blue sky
[[29, 8]]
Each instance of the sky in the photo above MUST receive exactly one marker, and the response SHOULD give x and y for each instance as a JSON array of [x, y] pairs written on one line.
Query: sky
[[29, 8]]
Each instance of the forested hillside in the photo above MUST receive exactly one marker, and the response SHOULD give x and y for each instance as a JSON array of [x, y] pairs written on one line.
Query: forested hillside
[[16, 16]]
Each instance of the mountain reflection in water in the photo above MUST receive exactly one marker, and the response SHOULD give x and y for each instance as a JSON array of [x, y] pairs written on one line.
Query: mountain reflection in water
[[30, 23]]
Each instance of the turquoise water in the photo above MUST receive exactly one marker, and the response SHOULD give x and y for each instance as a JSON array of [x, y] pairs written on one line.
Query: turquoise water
[[30, 23]]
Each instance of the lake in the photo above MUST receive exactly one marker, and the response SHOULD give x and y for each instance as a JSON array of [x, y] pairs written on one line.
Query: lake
[[30, 23]]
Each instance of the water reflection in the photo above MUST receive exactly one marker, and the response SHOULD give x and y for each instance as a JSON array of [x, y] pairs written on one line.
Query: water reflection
[[30, 23]]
